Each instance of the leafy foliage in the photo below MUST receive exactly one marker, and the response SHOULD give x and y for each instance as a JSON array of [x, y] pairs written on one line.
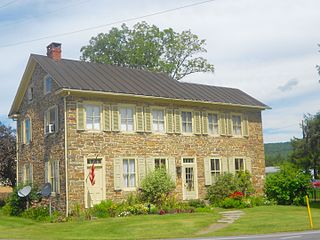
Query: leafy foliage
[[147, 47], [7, 155], [288, 186], [40, 213], [156, 186], [277, 153]]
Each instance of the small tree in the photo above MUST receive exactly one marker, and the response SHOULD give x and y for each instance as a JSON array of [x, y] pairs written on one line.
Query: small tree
[[7, 155], [288, 186], [156, 185]]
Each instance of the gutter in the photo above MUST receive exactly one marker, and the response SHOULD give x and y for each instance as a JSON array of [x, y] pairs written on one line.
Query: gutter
[[66, 154]]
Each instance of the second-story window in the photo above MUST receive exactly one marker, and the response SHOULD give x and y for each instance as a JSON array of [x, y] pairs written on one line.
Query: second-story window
[[186, 122], [51, 120], [27, 130], [47, 84], [126, 114], [93, 117], [236, 125], [30, 93], [213, 123], [158, 120]]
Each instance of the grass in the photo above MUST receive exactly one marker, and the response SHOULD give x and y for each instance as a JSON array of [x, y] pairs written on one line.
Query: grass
[[256, 220]]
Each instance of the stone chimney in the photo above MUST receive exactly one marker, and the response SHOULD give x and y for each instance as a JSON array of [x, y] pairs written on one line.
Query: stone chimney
[[54, 51]]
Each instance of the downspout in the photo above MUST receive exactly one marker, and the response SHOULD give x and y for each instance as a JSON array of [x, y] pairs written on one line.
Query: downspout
[[17, 153], [66, 153]]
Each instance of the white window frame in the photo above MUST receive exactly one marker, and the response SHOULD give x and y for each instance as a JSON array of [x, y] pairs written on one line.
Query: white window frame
[[215, 173], [27, 140], [45, 87], [47, 117], [55, 179], [161, 158], [30, 93], [130, 188], [239, 126], [235, 165], [212, 124], [187, 121], [92, 104], [132, 107], [164, 120], [27, 173]]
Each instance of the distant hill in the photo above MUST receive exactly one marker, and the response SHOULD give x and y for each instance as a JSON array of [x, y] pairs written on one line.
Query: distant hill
[[277, 153]]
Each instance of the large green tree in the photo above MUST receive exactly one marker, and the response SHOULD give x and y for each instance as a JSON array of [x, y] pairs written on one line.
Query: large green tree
[[7, 155], [306, 151], [147, 47]]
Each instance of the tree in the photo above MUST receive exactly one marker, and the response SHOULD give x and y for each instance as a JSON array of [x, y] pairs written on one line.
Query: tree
[[147, 47], [306, 151], [7, 155]]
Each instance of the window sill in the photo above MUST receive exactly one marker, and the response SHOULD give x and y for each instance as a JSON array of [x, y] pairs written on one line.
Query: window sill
[[131, 189]]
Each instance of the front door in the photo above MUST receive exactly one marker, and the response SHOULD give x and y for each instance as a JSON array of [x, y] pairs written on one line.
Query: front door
[[94, 193], [189, 179]]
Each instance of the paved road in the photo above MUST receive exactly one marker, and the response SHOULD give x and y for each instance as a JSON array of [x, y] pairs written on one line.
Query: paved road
[[307, 235]]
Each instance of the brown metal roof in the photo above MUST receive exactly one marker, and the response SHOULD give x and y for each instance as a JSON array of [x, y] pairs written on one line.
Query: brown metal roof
[[78, 75]]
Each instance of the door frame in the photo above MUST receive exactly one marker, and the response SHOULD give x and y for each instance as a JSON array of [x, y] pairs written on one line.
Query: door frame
[[85, 176], [195, 168]]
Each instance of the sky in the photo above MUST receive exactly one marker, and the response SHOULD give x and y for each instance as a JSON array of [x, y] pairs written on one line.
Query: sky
[[267, 48]]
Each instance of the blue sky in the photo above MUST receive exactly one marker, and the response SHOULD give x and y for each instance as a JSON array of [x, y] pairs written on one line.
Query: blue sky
[[267, 48]]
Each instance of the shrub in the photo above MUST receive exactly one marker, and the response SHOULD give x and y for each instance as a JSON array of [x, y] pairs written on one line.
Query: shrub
[[104, 209], [37, 213], [288, 186], [197, 203], [156, 186], [243, 182], [16, 205]]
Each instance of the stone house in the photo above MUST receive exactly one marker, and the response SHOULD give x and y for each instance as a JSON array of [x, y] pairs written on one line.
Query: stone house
[[72, 114]]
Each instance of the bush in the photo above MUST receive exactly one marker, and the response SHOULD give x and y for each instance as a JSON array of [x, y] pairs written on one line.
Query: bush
[[37, 213], [104, 209], [288, 186], [243, 182], [156, 186], [197, 203], [231, 203], [16, 205]]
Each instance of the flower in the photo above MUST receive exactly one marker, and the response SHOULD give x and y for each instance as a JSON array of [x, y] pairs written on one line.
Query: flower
[[236, 195]]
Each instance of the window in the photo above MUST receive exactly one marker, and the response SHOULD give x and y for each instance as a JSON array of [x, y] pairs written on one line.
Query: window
[[51, 120], [187, 122], [30, 93], [188, 160], [27, 130], [160, 163], [239, 164], [236, 125], [215, 168], [52, 170], [47, 84], [158, 121], [93, 117], [129, 173], [213, 123], [126, 114], [27, 173]]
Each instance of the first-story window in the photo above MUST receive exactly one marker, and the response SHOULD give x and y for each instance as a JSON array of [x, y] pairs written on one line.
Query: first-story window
[[236, 125], [126, 114], [27, 130], [213, 123], [158, 120], [129, 173], [187, 122], [53, 175], [239, 164], [215, 168], [93, 116], [160, 163], [27, 173]]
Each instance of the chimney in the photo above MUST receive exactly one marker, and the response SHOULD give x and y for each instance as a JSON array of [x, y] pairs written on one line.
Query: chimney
[[54, 51]]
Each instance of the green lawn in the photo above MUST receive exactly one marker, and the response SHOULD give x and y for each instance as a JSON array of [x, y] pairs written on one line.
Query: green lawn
[[256, 220]]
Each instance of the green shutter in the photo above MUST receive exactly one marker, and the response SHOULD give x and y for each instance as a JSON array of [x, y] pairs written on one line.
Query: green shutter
[[222, 123], [172, 168], [207, 171], [150, 165], [106, 117], [139, 119], [197, 122], [205, 123], [177, 121], [115, 118], [147, 118], [231, 165], [141, 169], [245, 126], [229, 124], [248, 165], [170, 120], [80, 116], [46, 170], [117, 166]]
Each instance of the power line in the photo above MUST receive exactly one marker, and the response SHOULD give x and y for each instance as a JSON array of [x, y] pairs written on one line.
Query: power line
[[9, 3], [105, 25]]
